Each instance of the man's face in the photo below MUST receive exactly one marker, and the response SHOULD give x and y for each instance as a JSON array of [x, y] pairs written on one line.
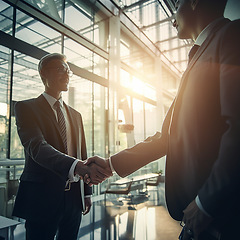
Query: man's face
[[184, 19], [56, 74]]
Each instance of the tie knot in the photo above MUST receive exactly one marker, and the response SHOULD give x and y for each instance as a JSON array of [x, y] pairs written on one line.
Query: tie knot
[[57, 104]]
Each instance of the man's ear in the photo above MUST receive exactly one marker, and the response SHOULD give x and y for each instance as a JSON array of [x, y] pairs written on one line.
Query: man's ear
[[194, 4]]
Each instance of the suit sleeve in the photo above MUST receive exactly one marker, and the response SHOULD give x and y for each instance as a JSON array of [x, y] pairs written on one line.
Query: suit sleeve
[[153, 148], [222, 186], [87, 188], [35, 145]]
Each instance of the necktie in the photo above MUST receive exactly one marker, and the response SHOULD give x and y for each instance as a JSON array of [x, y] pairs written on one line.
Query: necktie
[[62, 124], [192, 52]]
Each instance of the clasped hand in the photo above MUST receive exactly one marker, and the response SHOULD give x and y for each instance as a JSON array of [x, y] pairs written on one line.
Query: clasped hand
[[94, 170]]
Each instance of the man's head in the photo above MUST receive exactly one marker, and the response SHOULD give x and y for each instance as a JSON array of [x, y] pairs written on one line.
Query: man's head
[[192, 16], [54, 72]]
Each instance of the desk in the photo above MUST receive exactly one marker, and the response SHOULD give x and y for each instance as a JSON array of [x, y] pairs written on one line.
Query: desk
[[132, 184], [136, 178], [7, 227]]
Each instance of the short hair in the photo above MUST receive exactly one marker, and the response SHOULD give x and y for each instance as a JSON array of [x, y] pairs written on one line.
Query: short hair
[[216, 5], [48, 58]]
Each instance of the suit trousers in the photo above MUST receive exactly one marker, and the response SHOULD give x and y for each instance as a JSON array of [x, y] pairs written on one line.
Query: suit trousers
[[225, 235], [226, 231], [64, 227]]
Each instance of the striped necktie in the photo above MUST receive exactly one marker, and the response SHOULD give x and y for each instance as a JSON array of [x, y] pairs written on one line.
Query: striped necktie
[[62, 124]]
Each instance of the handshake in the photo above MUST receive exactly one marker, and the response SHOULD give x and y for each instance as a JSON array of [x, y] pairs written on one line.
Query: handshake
[[94, 170]]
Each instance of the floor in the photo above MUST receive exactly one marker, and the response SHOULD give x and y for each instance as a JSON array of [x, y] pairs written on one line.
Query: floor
[[139, 217]]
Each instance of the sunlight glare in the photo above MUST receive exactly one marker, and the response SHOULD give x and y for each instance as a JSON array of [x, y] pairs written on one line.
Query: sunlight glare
[[3, 109]]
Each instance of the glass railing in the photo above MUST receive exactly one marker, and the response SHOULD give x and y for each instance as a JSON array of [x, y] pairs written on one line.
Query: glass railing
[[10, 171]]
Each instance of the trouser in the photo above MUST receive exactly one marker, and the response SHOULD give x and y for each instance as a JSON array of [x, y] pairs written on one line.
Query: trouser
[[65, 227], [221, 236], [226, 232]]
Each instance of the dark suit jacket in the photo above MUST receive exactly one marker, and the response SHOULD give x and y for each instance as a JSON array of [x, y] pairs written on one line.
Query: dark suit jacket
[[201, 132], [42, 183]]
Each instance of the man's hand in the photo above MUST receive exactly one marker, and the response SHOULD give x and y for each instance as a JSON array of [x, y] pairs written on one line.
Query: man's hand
[[94, 172], [88, 205], [99, 162], [195, 220]]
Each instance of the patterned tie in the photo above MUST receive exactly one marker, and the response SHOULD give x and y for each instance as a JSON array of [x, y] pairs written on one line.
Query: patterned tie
[[192, 52], [62, 124]]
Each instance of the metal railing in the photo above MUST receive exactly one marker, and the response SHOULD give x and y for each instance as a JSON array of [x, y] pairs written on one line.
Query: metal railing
[[8, 165]]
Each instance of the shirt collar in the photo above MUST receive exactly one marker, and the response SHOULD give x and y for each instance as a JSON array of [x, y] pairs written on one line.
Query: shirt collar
[[206, 31], [51, 100]]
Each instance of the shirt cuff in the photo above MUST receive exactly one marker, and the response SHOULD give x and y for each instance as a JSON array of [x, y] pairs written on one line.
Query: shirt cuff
[[71, 176], [199, 204], [88, 196], [111, 166]]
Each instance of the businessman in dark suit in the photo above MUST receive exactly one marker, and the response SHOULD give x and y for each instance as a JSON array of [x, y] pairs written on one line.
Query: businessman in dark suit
[[50, 197], [201, 132]]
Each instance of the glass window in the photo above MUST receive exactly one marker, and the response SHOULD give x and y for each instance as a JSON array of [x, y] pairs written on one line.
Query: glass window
[[89, 99], [78, 54], [84, 58], [125, 79], [6, 17], [26, 80], [150, 92], [26, 84], [149, 13], [150, 119], [78, 16], [138, 86], [84, 17], [125, 135], [100, 66], [139, 61], [80, 97], [51, 8], [36, 33], [90, 105], [5, 64], [122, 135], [99, 120], [138, 120]]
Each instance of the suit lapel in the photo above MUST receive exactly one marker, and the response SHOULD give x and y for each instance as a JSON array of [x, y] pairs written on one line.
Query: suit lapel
[[200, 51], [74, 131], [191, 64], [76, 138], [45, 108]]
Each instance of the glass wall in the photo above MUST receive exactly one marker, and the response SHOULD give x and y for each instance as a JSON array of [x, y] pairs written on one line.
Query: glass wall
[[26, 84], [80, 30], [34, 32], [6, 18], [79, 97], [5, 56], [138, 120]]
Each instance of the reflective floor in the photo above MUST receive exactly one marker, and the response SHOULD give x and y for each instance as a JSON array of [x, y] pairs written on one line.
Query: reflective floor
[[140, 217]]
